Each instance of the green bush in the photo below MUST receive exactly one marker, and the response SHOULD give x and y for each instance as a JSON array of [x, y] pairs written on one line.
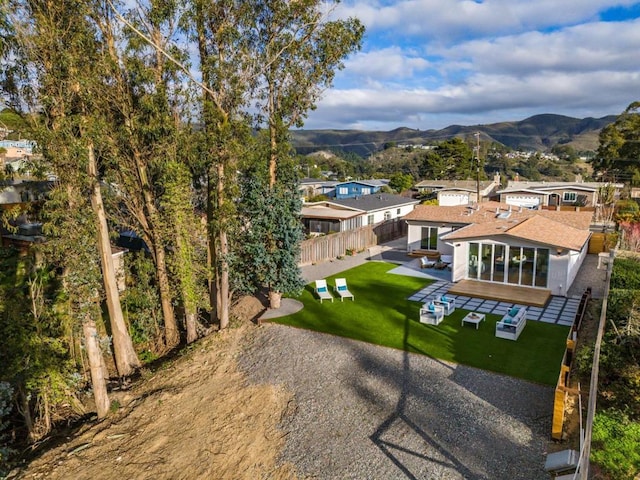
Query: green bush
[[626, 273], [616, 444], [5, 409]]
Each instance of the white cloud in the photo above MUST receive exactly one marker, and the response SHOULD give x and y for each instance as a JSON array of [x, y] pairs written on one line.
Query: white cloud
[[428, 62], [387, 63], [454, 19]]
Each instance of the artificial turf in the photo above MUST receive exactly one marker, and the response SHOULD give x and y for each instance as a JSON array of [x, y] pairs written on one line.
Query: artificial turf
[[382, 314]]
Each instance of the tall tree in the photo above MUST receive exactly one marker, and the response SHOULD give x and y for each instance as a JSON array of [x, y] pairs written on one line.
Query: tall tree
[[63, 47], [146, 86], [299, 51], [618, 155], [221, 31]]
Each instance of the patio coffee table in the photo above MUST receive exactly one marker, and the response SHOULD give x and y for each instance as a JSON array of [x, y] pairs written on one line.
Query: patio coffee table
[[474, 318]]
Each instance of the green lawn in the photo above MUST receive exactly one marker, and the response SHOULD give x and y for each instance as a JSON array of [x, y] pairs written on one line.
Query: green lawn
[[382, 315]]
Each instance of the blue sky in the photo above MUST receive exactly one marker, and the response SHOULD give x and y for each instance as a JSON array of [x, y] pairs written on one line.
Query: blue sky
[[432, 63]]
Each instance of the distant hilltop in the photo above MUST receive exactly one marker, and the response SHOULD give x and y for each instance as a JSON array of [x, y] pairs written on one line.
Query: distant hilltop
[[538, 133]]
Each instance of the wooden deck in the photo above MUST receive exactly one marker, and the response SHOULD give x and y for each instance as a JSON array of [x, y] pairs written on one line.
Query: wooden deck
[[536, 297]]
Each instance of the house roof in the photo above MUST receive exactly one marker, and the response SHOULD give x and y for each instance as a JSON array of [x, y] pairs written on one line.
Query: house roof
[[375, 202], [560, 229], [459, 184], [524, 190], [369, 183], [325, 211], [587, 186]]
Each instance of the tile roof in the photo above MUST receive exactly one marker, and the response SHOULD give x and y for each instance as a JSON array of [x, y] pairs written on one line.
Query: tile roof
[[560, 229]]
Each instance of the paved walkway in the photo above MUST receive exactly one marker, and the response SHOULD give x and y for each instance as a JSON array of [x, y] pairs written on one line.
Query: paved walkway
[[559, 310]]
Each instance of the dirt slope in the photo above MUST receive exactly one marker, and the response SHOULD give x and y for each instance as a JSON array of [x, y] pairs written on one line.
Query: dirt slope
[[196, 418]]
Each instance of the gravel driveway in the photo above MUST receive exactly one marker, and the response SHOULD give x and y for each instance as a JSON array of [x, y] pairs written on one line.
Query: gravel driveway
[[368, 412]]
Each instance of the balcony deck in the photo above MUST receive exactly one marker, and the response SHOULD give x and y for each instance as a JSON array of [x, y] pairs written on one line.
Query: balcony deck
[[536, 297]]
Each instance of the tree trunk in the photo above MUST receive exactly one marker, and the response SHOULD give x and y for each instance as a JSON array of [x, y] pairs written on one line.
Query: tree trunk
[[125, 355], [275, 299], [25, 410], [223, 263], [191, 324], [211, 256], [98, 380], [171, 333]]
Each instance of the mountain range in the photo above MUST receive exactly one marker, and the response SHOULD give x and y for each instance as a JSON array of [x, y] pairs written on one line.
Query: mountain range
[[538, 133]]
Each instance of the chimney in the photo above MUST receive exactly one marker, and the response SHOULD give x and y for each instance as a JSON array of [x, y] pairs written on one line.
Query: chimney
[[517, 177], [496, 178], [579, 178], [520, 209], [497, 210], [509, 208]]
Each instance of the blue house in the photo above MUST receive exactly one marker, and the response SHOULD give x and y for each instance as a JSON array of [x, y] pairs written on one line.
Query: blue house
[[358, 188]]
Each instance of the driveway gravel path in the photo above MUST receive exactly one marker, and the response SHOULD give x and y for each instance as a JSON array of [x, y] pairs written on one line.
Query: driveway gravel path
[[366, 412]]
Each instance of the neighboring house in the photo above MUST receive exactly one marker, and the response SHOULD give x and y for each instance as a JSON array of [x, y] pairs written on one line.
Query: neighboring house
[[494, 243], [310, 187], [349, 214], [553, 194], [358, 188], [458, 192], [23, 191]]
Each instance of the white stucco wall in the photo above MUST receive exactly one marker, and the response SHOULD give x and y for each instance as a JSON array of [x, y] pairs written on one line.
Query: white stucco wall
[[414, 234], [378, 216]]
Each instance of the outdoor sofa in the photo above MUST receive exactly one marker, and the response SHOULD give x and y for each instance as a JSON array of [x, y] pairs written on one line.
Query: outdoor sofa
[[512, 324]]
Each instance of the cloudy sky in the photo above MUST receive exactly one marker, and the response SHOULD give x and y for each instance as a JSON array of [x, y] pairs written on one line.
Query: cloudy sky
[[432, 63]]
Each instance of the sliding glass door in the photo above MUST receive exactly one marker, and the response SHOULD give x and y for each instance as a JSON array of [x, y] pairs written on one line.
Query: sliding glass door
[[493, 262], [429, 238]]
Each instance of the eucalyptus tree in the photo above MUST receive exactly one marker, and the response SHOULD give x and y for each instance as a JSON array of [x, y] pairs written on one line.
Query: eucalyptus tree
[[299, 51], [63, 49], [221, 31], [618, 154], [145, 110]]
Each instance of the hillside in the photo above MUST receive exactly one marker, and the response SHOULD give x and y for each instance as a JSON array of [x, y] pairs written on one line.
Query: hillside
[[540, 133]]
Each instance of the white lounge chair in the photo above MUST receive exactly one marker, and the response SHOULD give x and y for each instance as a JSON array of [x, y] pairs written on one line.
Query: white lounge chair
[[426, 263], [323, 291], [342, 289]]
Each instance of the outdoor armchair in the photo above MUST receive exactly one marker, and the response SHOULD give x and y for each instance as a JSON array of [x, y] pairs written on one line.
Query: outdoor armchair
[[448, 304], [431, 314]]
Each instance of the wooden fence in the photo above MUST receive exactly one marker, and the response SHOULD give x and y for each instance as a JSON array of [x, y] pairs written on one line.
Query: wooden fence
[[329, 247], [562, 387]]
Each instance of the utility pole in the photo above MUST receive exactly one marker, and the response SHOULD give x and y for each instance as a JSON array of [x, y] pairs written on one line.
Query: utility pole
[[477, 135]]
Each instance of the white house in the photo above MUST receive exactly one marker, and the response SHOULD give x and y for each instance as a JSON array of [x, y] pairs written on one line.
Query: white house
[[459, 192], [553, 194], [501, 244]]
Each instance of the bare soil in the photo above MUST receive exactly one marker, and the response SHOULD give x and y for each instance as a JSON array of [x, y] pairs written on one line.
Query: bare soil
[[196, 417]]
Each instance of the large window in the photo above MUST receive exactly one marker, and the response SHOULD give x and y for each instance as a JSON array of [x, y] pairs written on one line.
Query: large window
[[569, 197], [526, 266], [429, 240], [343, 190]]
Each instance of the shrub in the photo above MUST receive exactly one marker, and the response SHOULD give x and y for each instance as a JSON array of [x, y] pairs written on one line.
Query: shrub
[[626, 273], [616, 444], [5, 409]]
